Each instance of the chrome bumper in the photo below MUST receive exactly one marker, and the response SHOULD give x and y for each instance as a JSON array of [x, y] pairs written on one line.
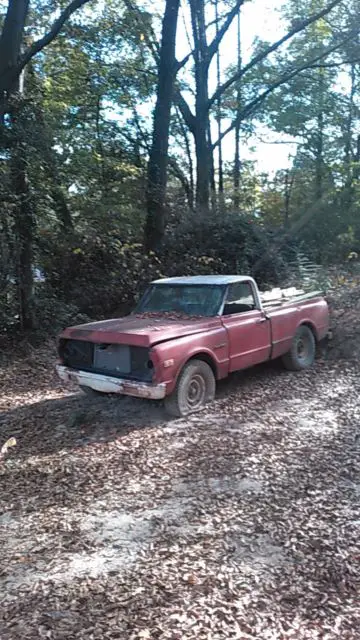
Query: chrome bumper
[[108, 384]]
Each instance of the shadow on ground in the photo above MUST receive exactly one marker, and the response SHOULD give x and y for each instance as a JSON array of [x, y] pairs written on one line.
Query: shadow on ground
[[74, 420]]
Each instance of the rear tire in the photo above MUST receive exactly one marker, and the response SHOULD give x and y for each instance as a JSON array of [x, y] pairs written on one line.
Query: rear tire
[[302, 353], [194, 389]]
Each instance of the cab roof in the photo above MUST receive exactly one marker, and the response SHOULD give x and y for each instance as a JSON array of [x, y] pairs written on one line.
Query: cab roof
[[203, 280]]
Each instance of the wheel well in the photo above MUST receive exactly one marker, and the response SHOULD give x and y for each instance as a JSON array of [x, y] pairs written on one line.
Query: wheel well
[[310, 326], [205, 357]]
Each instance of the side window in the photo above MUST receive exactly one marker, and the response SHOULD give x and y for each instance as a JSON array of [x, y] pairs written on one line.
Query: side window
[[240, 298]]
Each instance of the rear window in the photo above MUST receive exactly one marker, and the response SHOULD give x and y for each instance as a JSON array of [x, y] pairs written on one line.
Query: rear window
[[239, 299]]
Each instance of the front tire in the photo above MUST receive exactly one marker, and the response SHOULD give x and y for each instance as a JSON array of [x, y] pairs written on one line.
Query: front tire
[[194, 389], [302, 353]]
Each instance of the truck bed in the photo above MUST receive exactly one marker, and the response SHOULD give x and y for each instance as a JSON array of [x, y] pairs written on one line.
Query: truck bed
[[281, 297]]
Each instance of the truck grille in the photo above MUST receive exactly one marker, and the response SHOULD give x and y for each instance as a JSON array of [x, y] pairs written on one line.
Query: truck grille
[[116, 360]]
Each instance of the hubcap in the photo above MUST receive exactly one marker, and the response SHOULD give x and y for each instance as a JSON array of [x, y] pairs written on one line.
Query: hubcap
[[196, 391], [303, 348]]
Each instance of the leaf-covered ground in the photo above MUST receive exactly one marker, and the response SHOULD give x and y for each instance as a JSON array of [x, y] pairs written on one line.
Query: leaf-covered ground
[[241, 522]]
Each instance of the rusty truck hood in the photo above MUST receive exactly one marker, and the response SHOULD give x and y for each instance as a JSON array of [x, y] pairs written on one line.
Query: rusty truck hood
[[139, 331]]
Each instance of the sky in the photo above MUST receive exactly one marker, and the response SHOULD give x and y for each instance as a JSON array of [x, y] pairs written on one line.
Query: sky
[[259, 19]]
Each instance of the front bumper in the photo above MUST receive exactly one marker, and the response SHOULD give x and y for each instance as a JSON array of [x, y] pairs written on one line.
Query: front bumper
[[108, 384]]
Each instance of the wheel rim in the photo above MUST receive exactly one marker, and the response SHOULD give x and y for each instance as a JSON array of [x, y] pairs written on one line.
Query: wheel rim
[[303, 348], [196, 392]]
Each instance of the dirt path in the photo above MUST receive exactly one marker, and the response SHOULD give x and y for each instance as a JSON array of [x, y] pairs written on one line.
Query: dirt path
[[241, 522]]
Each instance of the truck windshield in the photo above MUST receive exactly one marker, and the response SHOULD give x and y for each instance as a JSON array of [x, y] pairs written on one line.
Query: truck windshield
[[190, 300]]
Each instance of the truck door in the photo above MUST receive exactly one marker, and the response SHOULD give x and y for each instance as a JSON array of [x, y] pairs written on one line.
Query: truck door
[[249, 331]]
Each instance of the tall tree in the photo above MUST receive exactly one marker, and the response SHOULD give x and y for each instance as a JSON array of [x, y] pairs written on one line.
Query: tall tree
[[238, 121], [203, 55], [219, 116], [14, 56], [24, 217], [198, 123], [158, 158]]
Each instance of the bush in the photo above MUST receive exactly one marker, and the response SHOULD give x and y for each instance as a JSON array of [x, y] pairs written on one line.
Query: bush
[[233, 243], [101, 276], [51, 314]]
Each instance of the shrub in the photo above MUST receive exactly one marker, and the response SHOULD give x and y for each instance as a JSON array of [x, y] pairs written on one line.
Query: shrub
[[235, 245], [99, 276]]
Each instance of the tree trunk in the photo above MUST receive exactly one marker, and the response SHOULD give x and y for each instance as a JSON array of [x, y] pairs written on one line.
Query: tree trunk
[[23, 215], [346, 196], [289, 181], [201, 131], [190, 191], [319, 159], [237, 167], [6, 246], [212, 171], [198, 124], [348, 156], [202, 165], [11, 39], [191, 168], [10, 47], [349, 121], [157, 168], [218, 118]]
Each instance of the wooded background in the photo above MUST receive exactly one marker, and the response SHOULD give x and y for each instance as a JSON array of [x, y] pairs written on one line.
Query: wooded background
[[112, 165]]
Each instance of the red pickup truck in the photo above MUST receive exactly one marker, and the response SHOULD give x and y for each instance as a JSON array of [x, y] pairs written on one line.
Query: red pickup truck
[[188, 332]]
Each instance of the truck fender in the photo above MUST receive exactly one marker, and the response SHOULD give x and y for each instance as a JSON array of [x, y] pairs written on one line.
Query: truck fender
[[199, 354], [220, 369], [312, 327]]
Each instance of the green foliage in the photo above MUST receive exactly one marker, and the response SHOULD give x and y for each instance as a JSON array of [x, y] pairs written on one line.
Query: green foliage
[[235, 244], [53, 314], [99, 275], [83, 128]]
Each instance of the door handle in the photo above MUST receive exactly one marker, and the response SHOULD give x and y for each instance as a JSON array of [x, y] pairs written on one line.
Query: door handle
[[261, 320]]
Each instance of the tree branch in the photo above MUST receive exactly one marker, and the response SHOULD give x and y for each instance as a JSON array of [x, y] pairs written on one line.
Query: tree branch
[[185, 111], [181, 63], [154, 48], [214, 45], [40, 44], [179, 174], [329, 65], [300, 26], [152, 44], [249, 108]]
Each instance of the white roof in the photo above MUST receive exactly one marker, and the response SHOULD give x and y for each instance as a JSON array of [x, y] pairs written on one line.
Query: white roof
[[213, 279]]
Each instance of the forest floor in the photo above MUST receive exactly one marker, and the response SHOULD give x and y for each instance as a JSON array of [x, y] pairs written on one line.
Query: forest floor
[[240, 522]]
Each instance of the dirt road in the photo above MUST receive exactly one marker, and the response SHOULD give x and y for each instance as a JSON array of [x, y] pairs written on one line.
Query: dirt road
[[241, 522]]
